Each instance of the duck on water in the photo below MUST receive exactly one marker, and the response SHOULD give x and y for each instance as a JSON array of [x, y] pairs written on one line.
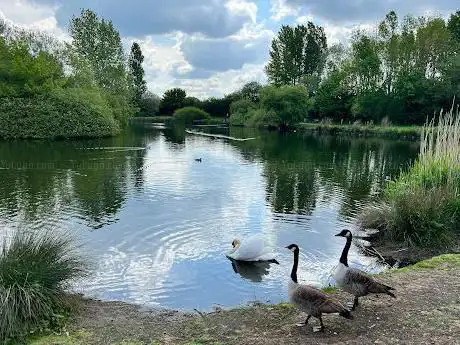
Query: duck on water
[[355, 281]]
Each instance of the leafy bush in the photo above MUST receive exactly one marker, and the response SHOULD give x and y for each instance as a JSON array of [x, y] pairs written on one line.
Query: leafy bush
[[63, 113], [149, 104], [241, 106], [35, 270], [289, 103], [172, 100], [23, 75], [262, 118], [422, 206], [188, 115]]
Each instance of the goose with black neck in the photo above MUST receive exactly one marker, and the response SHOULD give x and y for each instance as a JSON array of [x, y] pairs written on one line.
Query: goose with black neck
[[310, 300], [353, 280]]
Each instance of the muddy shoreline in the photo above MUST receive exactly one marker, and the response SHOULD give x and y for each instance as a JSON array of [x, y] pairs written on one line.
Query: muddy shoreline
[[426, 311]]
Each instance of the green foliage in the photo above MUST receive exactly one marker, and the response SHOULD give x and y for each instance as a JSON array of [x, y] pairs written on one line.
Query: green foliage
[[422, 206], [187, 115], [454, 26], [279, 107], [241, 106], [262, 118], [406, 71], [192, 102], [333, 97], [220, 107], [296, 52], [106, 60], [172, 100], [149, 104], [289, 103], [35, 270], [137, 72], [251, 91], [22, 74], [62, 113]]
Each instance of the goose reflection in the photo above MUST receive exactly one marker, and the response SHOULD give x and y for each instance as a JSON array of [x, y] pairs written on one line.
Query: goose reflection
[[252, 270]]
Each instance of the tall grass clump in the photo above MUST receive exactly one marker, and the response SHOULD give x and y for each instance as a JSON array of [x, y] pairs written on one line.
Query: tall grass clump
[[422, 206], [35, 271]]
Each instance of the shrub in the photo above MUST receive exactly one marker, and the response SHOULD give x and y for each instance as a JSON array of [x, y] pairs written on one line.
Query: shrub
[[422, 207], [35, 270], [63, 113], [188, 115], [241, 106], [289, 103], [262, 118]]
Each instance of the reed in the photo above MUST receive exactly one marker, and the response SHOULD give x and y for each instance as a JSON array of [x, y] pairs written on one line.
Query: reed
[[422, 206]]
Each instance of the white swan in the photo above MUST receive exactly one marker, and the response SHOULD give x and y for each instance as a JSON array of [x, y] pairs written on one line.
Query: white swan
[[255, 248]]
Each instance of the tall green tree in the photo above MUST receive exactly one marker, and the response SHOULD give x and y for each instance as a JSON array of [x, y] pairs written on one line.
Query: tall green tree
[[172, 100], [297, 52], [251, 91], [97, 41], [454, 26], [137, 72]]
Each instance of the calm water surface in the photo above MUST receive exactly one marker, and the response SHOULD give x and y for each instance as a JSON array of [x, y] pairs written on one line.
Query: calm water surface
[[157, 224]]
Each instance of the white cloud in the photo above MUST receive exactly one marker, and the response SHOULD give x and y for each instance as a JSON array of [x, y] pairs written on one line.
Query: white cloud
[[32, 16], [222, 83], [242, 7], [281, 9], [25, 13]]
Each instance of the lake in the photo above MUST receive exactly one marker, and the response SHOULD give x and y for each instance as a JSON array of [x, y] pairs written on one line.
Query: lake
[[156, 224]]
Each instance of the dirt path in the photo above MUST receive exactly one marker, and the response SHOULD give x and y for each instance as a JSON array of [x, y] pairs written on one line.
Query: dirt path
[[427, 311]]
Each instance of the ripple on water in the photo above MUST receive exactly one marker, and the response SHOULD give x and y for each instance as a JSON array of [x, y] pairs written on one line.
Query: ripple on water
[[164, 222]]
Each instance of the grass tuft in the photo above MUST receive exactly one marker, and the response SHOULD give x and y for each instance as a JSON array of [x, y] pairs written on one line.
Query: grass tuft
[[445, 260], [422, 207], [35, 270]]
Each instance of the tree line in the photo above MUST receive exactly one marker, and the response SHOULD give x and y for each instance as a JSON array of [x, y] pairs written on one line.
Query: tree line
[[86, 87], [403, 72]]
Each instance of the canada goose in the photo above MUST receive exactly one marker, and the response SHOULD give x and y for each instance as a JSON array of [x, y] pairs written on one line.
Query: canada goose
[[310, 300], [254, 248], [354, 281], [198, 160]]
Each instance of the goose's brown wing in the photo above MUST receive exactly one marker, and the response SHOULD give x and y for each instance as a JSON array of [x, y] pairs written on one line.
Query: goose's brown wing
[[367, 282], [319, 300]]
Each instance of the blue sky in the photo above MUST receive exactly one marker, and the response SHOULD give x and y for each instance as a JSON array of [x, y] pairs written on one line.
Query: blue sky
[[213, 47]]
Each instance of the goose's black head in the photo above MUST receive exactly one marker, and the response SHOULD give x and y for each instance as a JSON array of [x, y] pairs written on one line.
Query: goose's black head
[[293, 247], [344, 233]]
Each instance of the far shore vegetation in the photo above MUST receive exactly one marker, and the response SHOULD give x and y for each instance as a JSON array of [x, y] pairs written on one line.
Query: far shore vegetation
[[385, 82]]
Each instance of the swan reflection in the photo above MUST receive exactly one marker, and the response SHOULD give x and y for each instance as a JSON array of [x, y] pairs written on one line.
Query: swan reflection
[[252, 270]]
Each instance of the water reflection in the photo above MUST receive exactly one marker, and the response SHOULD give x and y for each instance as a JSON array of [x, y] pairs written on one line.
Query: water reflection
[[253, 271], [44, 180], [165, 221]]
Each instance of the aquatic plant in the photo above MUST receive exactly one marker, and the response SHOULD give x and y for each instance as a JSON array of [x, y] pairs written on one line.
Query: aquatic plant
[[35, 270], [422, 206]]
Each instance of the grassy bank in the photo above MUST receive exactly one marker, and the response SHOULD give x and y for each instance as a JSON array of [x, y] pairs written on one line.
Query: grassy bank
[[394, 132], [35, 271], [422, 206], [426, 308]]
